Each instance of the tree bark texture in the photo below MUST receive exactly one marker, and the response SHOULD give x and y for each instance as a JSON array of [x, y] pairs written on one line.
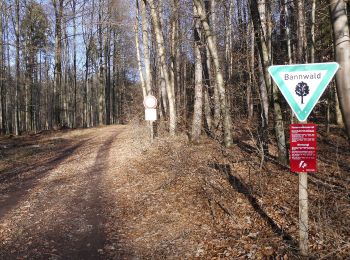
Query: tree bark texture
[[227, 122], [163, 63], [138, 56], [342, 53], [301, 32], [58, 8], [198, 97], [146, 51]]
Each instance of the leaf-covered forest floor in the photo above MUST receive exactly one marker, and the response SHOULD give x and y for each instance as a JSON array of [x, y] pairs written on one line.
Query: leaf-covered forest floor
[[108, 193]]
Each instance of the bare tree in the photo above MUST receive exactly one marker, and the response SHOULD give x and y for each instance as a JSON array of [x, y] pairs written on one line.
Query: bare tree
[[227, 122], [146, 52], [138, 55], [2, 74], [58, 8], [17, 33], [342, 52], [198, 99], [163, 63]]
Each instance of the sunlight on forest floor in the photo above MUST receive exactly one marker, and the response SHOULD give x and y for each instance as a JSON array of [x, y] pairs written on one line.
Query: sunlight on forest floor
[[109, 193]]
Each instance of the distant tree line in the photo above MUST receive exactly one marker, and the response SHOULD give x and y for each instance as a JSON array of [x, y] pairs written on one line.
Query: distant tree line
[[64, 63]]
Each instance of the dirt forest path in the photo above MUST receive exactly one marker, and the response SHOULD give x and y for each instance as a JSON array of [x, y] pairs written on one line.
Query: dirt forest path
[[54, 208]]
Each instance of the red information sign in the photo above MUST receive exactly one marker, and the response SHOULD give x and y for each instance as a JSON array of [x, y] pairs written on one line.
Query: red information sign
[[303, 148]]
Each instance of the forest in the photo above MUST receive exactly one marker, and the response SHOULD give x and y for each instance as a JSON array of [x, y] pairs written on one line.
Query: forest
[[77, 64], [64, 64]]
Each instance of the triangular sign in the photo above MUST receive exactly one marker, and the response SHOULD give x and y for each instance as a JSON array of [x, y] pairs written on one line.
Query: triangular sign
[[302, 85]]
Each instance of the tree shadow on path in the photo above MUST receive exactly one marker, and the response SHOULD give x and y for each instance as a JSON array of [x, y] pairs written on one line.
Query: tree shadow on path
[[18, 188], [95, 212], [80, 232], [240, 187], [76, 203]]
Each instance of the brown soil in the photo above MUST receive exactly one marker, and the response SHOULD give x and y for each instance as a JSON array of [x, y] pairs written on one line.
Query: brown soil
[[108, 193]]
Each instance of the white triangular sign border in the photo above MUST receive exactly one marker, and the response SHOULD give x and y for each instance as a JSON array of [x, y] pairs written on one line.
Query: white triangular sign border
[[303, 113]]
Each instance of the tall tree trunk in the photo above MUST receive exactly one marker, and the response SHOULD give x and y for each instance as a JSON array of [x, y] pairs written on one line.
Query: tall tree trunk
[[146, 51], [58, 8], [259, 29], [338, 114], [211, 97], [264, 79], [48, 120], [101, 80], [264, 44], [251, 66], [288, 31], [10, 123], [17, 33], [115, 79], [174, 30], [301, 32], [65, 69], [40, 112], [26, 94], [312, 36], [176, 53], [2, 74], [342, 53], [163, 64], [86, 90], [198, 98], [263, 112], [107, 101], [138, 56], [211, 9], [74, 63], [227, 42], [227, 123], [231, 14], [279, 127], [207, 111], [288, 25], [276, 99]]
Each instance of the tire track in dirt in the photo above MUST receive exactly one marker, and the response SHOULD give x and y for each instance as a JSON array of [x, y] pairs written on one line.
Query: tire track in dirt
[[62, 216], [96, 237]]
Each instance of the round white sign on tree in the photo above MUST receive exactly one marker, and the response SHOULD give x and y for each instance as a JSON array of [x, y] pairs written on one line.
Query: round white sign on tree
[[150, 101]]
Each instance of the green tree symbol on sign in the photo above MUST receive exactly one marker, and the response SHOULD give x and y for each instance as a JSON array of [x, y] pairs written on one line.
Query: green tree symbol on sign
[[302, 90]]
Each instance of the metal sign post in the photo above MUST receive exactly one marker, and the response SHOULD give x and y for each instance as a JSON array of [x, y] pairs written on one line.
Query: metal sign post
[[303, 143], [302, 86], [303, 214]]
